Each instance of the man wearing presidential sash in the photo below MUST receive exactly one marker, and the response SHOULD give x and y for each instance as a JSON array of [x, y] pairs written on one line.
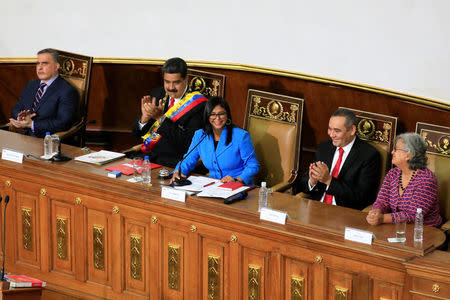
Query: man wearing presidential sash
[[169, 116]]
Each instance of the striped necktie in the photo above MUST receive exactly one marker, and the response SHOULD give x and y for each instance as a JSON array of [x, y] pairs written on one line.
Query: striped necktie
[[38, 97]]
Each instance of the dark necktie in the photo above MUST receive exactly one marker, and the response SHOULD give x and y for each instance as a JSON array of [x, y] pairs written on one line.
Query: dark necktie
[[329, 198], [38, 97]]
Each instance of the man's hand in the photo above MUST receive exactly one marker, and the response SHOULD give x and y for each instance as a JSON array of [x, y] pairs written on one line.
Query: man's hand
[[24, 119], [150, 110], [319, 172], [375, 217], [312, 179]]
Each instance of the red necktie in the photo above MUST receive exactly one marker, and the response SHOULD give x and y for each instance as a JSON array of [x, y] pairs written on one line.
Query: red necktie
[[38, 96], [172, 102], [329, 198]]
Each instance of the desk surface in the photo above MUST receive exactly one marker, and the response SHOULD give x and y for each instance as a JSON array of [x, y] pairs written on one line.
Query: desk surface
[[310, 218]]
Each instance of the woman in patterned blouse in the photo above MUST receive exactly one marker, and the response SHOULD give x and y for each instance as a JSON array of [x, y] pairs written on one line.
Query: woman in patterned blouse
[[408, 186]]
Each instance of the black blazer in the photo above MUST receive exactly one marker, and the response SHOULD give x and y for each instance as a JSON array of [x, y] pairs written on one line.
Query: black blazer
[[175, 136], [56, 108], [358, 181]]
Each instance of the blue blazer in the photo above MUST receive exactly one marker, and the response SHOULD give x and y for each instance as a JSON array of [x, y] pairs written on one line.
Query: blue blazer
[[56, 108], [237, 159]]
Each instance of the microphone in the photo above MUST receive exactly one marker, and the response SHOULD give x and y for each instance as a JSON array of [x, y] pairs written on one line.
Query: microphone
[[184, 181], [235, 198], [2, 274]]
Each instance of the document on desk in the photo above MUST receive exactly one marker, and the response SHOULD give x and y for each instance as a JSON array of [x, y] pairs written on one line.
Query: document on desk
[[198, 183], [100, 158], [214, 191]]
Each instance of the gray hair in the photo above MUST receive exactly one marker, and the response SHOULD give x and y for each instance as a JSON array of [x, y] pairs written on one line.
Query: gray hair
[[415, 145], [52, 52], [350, 118]]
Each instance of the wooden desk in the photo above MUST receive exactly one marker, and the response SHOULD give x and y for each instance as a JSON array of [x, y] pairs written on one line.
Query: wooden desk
[[88, 235]]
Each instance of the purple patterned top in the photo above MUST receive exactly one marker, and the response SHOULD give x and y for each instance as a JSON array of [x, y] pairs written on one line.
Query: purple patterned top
[[421, 191]]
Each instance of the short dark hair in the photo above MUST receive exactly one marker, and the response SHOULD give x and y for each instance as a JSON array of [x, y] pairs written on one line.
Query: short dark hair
[[52, 52], [350, 118], [210, 105], [416, 145], [175, 65]]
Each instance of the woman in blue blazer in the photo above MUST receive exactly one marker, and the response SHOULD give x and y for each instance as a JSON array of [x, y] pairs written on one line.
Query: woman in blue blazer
[[225, 150]]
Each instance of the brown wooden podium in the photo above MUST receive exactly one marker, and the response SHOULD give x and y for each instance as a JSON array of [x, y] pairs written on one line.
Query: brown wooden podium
[[19, 293]]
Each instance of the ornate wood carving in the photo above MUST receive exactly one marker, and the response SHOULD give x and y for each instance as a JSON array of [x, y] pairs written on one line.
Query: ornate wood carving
[[136, 256], [207, 83], [254, 282], [174, 267], [340, 293], [213, 277], [436, 137], [297, 288], [61, 237], [99, 247], [27, 228]]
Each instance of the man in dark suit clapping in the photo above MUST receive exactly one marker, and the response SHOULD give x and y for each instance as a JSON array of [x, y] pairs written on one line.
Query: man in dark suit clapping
[[47, 103], [355, 166]]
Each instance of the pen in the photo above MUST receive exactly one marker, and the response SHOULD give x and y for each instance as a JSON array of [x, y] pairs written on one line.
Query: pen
[[211, 183]]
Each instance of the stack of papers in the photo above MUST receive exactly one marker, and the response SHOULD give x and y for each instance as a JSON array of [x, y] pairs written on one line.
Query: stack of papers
[[209, 187], [100, 158]]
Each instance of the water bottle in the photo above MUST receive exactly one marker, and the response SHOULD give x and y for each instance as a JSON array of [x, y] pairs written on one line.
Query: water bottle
[[262, 196], [48, 148], [146, 171], [418, 226], [55, 144]]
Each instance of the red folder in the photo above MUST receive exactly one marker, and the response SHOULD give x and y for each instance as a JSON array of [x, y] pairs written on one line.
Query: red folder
[[127, 169], [230, 186]]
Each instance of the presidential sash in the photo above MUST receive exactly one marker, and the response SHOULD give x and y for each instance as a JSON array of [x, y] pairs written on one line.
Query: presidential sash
[[177, 111]]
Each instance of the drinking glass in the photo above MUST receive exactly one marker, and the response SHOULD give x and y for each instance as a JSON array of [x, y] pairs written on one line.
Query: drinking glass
[[400, 228], [137, 168]]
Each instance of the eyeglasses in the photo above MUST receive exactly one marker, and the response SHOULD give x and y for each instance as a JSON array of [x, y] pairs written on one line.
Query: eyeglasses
[[220, 115], [399, 149]]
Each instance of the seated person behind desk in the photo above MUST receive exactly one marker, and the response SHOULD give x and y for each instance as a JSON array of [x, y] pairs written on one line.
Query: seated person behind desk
[[47, 103], [169, 116], [356, 166], [408, 186], [226, 150]]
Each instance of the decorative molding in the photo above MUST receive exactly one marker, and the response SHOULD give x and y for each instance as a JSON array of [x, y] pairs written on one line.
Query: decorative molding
[[43, 192], [213, 277], [437, 138], [174, 267], [297, 288], [8, 183], [254, 282], [61, 238], [27, 228], [98, 247], [78, 200], [136, 256], [340, 293], [262, 70]]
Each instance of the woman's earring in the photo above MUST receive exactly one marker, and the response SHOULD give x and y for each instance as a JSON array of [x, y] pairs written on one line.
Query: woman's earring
[[228, 122]]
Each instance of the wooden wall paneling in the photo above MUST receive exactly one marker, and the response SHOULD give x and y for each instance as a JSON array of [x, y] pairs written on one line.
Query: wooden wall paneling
[[296, 279], [27, 223], [340, 285], [255, 270], [62, 245], [386, 290]]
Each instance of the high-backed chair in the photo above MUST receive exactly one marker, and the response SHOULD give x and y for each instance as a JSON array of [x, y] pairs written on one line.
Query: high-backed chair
[[275, 124], [208, 83], [76, 69], [438, 152], [379, 131]]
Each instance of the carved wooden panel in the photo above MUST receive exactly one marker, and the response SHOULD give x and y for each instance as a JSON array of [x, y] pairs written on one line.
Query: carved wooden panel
[[340, 285], [27, 227], [136, 252], [386, 290], [296, 279], [98, 239], [254, 268], [208, 83], [215, 254], [62, 237], [174, 243]]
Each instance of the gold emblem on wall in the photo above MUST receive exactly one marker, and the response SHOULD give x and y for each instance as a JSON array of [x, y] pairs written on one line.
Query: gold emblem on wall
[[367, 130], [254, 282], [136, 256], [27, 229], [274, 109], [442, 146], [297, 288], [69, 66], [197, 84], [61, 238], [213, 277], [340, 293], [99, 247], [174, 267]]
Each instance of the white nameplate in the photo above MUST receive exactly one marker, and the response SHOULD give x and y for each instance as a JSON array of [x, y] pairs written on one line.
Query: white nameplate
[[273, 215], [173, 194], [358, 235], [12, 156]]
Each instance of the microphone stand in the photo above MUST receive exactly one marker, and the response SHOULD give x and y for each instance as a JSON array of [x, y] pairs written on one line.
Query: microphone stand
[[184, 181], [2, 274]]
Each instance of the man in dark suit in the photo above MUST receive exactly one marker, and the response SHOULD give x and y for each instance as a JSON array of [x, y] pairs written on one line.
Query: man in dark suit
[[169, 116], [354, 179], [47, 103]]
